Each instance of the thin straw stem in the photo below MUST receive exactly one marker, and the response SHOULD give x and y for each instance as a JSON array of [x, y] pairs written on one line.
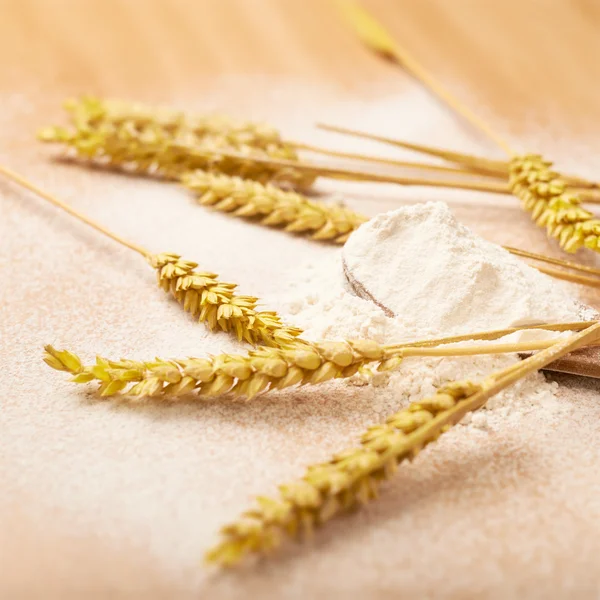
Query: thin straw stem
[[18, 179], [377, 38], [475, 163], [387, 161], [470, 163], [493, 334], [555, 261], [581, 279], [499, 380], [477, 350], [338, 172]]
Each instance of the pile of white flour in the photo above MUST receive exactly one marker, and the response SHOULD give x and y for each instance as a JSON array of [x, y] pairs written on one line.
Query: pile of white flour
[[420, 264], [430, 277]]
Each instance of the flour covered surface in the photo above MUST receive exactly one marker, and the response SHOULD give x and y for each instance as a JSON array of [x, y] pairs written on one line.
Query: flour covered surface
[[419, 264], [157, 482]]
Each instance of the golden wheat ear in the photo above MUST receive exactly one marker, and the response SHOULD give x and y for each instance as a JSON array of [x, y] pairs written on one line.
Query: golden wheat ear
[[546, 196], [215, 303], [166, 143], [242, 376], [293, 362], [273, 206], [90, 111]]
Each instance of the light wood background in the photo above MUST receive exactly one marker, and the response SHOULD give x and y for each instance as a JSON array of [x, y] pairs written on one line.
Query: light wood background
[[536, 55], [515, 57]]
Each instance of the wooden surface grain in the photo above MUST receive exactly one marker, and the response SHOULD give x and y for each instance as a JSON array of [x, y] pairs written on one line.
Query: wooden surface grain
[[514, 60], [514, 57]]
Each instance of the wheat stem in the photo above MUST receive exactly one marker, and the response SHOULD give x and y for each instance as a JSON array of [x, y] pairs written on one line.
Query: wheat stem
[[375, 36], [352, 477], [476, 350], [473, 163], [470, 163], [20, 180], [494, 187], [580, 279], [390, 161], [494, 334], [555, 261]]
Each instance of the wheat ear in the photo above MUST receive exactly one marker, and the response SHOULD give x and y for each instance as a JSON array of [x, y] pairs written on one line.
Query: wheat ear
[[273, 206], [241, 376], [91, 111], [545, 194], [352, 478], [151, 150], [213, 302], [265, 369]]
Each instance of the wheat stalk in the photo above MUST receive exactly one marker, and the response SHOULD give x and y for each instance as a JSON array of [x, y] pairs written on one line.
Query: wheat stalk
[[545, 194], [352, 478], [275, 207], [265, 369], [201, 293], [167, 143], [155, 151], [542, 191], [469, 162]]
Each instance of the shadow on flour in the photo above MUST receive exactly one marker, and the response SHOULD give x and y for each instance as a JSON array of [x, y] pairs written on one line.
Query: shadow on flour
[[347, 405], [574, 382]]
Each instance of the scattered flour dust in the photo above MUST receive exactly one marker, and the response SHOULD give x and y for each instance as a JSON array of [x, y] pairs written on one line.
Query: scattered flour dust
[[438, 279]]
